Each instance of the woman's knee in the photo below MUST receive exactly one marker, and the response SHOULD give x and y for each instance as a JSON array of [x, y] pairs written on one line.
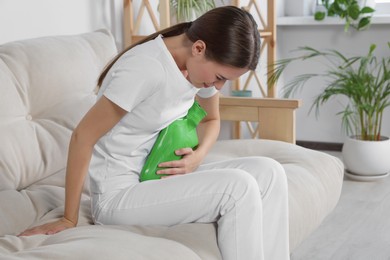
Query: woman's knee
[[269, 173], [241, 185]]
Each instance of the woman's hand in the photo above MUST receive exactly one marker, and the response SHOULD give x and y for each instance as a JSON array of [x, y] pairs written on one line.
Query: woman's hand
[[188, 163], [49, 228]]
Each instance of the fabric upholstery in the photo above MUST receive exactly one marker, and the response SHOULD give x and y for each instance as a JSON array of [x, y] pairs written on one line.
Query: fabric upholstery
[[47, 85]]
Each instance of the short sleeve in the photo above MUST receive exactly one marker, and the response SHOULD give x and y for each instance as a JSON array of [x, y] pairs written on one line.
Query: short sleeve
[[132, 80], [207, 92]]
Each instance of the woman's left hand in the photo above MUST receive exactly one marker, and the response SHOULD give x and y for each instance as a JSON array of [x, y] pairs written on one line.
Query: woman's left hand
[[188, 163]]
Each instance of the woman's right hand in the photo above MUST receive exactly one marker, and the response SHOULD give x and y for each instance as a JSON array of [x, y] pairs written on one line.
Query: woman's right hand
[[49, 228]]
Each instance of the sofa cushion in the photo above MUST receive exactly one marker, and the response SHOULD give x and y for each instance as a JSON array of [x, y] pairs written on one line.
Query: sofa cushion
[[108, 242], [47, 84]]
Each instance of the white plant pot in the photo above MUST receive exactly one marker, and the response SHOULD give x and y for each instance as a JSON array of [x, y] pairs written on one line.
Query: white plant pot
[[367, 158]]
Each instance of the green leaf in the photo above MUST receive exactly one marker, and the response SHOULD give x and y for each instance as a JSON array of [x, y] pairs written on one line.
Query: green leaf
[[363, 23], [319, 16], [331, 12], [367, 10], [354, 11], [325, 3], [336, 7], [372, 48]]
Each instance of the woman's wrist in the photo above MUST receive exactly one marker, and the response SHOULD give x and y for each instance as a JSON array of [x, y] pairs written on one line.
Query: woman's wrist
[[67, 220]]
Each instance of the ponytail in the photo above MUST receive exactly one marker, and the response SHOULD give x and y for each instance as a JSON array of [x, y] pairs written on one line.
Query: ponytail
[[168, 32]]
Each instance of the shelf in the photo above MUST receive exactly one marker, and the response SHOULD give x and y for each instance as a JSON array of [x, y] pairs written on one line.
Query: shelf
[[309, 20]]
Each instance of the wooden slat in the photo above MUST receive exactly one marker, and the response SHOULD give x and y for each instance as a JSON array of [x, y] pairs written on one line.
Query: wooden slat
[[271, 50], [127, 25], [264, 34], [164, 9], [260, 102], [237, 113]]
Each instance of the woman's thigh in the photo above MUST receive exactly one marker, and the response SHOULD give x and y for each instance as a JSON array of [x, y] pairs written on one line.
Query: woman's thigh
[[202, 196], [266, 171]]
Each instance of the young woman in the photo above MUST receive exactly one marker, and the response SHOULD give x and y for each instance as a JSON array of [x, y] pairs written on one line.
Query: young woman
[[142, 91]]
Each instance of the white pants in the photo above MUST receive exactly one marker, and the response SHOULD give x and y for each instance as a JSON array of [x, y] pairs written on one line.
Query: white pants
[[247, 197]]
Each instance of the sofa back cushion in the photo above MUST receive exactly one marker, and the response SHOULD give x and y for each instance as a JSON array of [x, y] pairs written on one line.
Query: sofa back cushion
[[47, 84]]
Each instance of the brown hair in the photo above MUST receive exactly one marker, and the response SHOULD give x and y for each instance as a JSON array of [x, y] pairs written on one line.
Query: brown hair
[[230, 34]]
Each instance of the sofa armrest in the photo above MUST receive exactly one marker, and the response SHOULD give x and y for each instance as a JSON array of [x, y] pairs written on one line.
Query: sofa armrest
[[276, 117]]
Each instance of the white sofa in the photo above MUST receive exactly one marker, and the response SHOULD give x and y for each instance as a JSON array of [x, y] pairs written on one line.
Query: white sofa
[[46, 85]]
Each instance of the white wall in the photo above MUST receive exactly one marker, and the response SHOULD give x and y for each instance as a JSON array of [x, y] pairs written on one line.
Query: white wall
[[21, 19]]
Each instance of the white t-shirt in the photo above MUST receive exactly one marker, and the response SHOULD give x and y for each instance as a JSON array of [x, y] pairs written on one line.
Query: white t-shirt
[[147, 83]]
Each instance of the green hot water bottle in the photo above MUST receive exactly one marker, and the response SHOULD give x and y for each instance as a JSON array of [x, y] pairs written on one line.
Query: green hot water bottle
[[179, 134]]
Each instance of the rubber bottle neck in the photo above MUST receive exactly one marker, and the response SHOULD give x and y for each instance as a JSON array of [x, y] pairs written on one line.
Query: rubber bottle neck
[[196, 113]]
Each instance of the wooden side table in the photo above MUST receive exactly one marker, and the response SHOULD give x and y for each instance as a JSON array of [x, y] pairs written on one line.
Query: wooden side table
[[276, 117]]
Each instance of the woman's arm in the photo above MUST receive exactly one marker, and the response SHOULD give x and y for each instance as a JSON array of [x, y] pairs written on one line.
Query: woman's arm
[[103, 116], [208, 131]]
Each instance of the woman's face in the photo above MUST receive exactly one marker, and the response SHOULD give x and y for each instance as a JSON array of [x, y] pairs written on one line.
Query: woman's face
[[203, 73]]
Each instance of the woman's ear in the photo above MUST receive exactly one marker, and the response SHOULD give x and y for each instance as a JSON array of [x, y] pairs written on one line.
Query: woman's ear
[[198, 48]]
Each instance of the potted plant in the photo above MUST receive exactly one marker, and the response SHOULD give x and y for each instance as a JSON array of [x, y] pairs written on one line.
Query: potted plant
[[365, 82], [358, 15], [188, 10]]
